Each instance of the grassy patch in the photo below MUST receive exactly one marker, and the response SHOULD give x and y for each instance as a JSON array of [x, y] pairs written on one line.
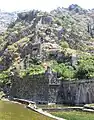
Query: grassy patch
[[74, 115]]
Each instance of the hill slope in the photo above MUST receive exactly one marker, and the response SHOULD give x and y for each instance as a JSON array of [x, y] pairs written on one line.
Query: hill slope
[[5, 19], [38, 37]]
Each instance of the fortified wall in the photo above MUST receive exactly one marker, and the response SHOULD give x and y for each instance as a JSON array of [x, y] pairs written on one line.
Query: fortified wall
[[41, 88], [77, 92], [47, 88]]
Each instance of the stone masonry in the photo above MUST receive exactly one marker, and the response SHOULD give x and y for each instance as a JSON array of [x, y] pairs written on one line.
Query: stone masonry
[[41, 88], [47, 88]]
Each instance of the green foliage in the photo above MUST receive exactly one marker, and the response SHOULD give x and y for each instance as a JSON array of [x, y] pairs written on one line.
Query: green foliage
[[34, 69], [22, 73], [4, 77], [85, 67], [83, 70], [64, 44], [64, 70]]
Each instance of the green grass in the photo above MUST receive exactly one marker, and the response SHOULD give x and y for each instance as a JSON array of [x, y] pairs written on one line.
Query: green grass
[[11, 111], [74, 115]]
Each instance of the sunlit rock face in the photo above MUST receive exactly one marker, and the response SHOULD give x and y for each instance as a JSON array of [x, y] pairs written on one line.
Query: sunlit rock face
[[5, 19]]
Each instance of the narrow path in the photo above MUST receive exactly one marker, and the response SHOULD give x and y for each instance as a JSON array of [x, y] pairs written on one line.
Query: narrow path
[[44, 113]]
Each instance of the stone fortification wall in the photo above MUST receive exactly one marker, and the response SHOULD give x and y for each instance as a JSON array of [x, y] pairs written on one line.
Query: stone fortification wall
[[47, 88], [41, 88], [77, 92]]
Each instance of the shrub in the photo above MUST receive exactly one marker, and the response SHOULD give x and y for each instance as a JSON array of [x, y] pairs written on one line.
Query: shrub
[[64, 70], [85, 67], [4, 77], [64, 44], [34, 69]]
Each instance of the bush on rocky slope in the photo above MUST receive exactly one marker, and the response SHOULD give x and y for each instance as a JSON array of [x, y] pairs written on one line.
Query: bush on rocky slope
[[36, 37]]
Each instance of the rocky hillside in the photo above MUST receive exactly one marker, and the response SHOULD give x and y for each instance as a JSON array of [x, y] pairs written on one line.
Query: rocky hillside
[[38, 37], [5, 19]]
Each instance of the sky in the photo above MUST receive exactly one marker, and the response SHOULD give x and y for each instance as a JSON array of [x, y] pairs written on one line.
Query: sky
[[44, 5]]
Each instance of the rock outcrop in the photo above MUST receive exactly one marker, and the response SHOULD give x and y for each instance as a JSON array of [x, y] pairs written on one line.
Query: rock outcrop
[[5, 19]]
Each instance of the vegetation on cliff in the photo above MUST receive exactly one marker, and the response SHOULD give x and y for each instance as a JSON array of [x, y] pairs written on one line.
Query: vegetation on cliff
[[64, 36]]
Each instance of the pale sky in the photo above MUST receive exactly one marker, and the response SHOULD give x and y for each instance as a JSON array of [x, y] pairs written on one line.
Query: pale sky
[[45, 5]]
